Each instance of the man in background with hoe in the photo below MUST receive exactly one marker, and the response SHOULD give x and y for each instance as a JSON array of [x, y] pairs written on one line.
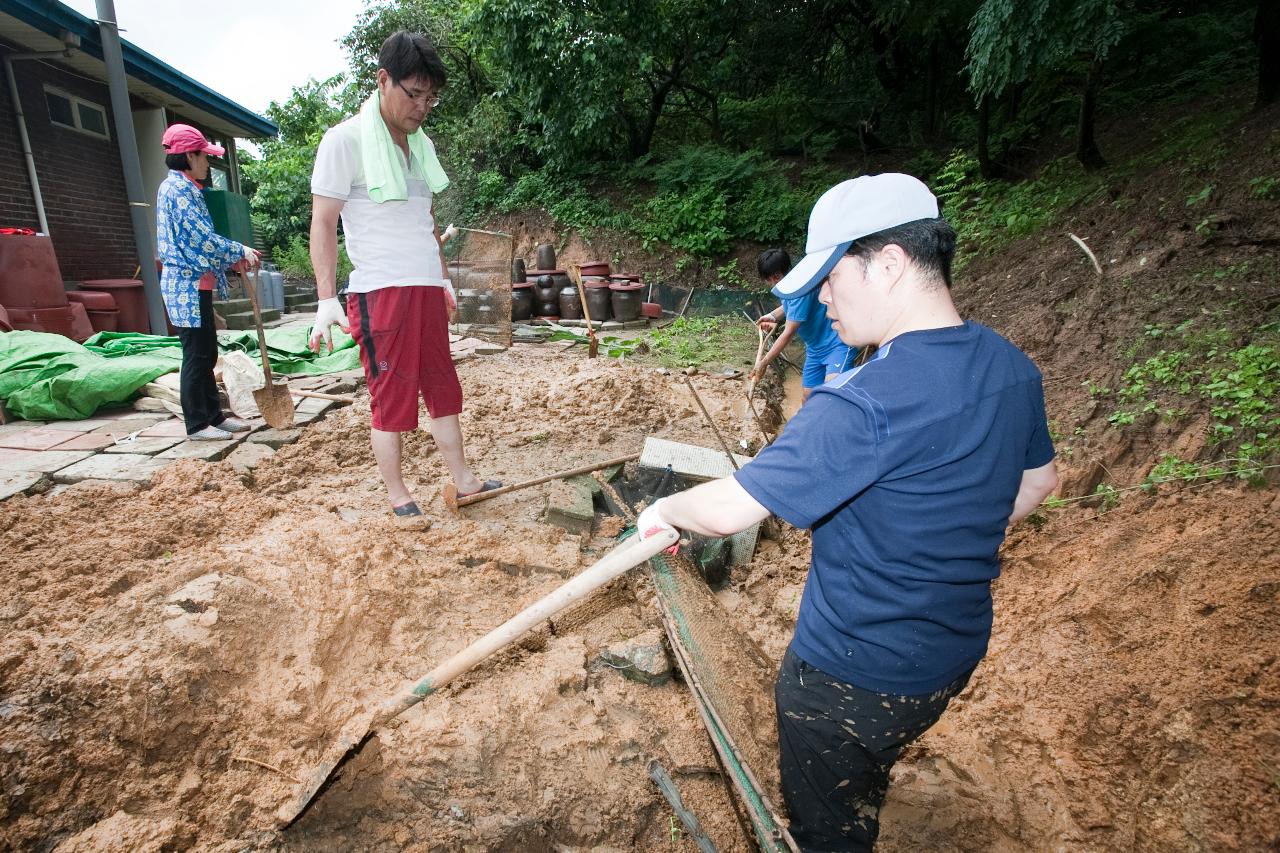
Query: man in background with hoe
[[825, 355], [908, 469], [378, 171]]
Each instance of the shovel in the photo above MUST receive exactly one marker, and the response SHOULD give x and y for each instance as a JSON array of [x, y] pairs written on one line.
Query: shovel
[[593, 343], [357, 733], [273, 400]]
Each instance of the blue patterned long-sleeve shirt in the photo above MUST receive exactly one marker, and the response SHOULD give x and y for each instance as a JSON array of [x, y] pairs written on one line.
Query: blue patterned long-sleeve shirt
[[189, 248]]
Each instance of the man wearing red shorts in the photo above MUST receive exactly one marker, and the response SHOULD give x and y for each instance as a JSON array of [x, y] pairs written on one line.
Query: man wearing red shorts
[[378, 171]]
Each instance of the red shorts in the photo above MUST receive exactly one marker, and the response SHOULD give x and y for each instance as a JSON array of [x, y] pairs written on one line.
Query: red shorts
[[403, 334]]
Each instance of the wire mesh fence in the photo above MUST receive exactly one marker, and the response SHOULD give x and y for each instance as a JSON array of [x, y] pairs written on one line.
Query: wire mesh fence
[[480, 270]]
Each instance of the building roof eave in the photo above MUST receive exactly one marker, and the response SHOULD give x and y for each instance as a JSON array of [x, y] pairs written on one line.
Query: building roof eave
[[51, 17]]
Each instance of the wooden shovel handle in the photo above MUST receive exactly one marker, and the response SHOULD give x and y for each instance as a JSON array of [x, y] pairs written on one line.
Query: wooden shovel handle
[[252, 291], [559, 475]]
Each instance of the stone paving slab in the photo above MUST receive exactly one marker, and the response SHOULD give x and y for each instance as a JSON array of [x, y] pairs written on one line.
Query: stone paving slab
[[141, 444], [85, 485], [86, 425], [121, 428], [313, 404], [44, 461], [115, 466], [37, 438], [21, 483], [249, 455], [172, 428], [87, 441], [19, 426], [130, 415], [275, 438], [209, 451]]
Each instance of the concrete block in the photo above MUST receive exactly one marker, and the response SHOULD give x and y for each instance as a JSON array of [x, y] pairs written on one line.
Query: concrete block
[[275, 438], [23, 483], [209, 451], [249, 455], [142, 444], [114, 466], [569, 506]]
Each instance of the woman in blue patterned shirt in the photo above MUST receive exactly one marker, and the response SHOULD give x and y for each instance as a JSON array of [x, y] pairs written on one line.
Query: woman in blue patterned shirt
[[195, 259]]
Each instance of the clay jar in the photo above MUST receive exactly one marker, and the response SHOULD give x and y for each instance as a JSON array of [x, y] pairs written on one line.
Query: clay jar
[[521, 301], [546, 257], [599, 304], [547, 296], [570, 303], [625, 298], [518, 273]]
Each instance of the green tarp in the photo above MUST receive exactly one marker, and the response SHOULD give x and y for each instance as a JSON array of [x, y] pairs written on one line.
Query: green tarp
[[49, 377]]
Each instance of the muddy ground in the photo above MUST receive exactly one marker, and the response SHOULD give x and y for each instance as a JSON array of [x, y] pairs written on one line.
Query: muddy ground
[[155, 639], [159, 646]]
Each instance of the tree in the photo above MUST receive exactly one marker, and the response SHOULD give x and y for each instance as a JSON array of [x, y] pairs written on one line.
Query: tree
[[1266, 33], [279, 184], [1013, 41]]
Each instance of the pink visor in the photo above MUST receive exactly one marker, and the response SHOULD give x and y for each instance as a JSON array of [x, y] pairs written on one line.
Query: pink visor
[[181, 138]]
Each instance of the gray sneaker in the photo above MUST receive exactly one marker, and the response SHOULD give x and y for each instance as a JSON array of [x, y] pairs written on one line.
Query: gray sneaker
[[209, 433], [235, 425]]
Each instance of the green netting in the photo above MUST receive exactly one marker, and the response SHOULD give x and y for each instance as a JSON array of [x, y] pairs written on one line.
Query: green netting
[[732, 680], [49, 377]]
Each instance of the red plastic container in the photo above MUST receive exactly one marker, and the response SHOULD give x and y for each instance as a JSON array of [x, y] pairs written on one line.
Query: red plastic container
[[652, 310], [93, 300], [70, 321], [130, 300], [29, 274], [595, 268]]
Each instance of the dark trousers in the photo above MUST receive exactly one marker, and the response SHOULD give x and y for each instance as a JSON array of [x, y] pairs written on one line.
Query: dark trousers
[[837, 743], [200, 406]]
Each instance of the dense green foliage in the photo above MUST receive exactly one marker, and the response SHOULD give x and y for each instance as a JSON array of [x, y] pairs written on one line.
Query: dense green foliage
[[693, 125]]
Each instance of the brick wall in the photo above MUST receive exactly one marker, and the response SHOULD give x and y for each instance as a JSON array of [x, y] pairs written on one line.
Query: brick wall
[[80, 178]]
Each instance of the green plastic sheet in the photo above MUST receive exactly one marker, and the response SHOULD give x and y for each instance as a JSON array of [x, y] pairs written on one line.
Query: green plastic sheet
[[49, 377]]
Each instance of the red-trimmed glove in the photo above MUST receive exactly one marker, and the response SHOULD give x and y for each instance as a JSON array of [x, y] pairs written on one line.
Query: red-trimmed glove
[[328, 313], [650, 524]]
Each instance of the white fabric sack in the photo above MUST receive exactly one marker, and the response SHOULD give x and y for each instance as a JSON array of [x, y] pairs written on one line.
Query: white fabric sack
[[242, 375]]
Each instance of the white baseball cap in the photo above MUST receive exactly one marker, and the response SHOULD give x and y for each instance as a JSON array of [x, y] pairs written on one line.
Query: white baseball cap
[[849, 210]]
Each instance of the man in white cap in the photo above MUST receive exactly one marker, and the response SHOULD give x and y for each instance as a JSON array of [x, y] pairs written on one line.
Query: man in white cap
[[908, 469]]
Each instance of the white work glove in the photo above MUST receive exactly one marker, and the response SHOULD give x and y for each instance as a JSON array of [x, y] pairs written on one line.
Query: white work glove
[[450, 232], [450, 298], [252, 257], [328, 312], [650, 524]]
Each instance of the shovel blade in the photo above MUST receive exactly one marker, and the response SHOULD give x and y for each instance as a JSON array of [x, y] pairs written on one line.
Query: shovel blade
[[353, 737], [276, 405]]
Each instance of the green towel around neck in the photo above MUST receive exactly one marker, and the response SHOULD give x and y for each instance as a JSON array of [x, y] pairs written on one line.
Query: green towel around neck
[[382, 163]]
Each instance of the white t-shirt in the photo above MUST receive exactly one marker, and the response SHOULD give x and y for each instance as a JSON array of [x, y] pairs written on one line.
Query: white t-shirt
[[392, 244]]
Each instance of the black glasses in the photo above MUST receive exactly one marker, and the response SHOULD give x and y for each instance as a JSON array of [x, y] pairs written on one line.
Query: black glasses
[[426, 98]]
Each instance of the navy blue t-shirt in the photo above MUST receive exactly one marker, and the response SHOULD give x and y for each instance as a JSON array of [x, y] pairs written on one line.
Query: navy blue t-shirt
[[906, 468]]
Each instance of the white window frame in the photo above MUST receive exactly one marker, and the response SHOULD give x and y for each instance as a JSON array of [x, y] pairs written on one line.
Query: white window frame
[[76, 103]]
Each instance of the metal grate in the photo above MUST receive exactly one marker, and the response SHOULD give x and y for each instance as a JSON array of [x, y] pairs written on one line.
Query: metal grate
[[481, 273]]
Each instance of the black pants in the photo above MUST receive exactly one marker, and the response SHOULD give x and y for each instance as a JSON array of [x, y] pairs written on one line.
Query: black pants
[[837, 743], [200, 406]]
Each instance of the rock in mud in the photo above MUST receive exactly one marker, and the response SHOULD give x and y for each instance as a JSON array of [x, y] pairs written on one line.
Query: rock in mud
[[642, 658]]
